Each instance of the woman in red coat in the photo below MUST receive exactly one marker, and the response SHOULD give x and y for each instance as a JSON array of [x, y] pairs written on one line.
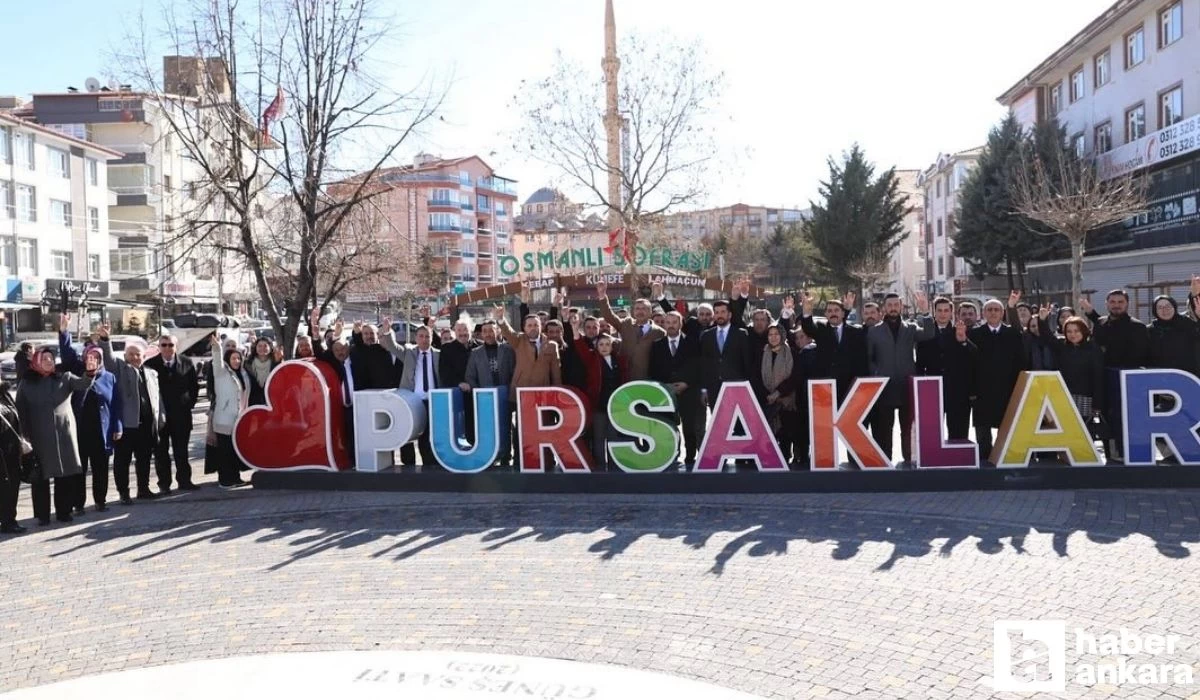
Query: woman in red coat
[[606, 371]]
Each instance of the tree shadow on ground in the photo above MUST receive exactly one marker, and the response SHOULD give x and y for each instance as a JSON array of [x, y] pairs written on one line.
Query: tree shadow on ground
[[402, 530]]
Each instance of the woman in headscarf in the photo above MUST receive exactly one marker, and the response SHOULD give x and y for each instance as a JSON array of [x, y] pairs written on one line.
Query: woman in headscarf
[[1174, 339], [1065, 313], [779, 403], [10, 462], [97, 417], [231, 395], [264, 359], [48, 423]]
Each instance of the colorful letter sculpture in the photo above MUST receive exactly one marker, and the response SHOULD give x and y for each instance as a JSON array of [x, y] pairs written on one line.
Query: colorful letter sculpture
[[384, 421], [931, 450], [446, 418], [302, 425], [657, 429], [828, 422], [1144, 422], [736, 404], [1038, 395], [563, 438]]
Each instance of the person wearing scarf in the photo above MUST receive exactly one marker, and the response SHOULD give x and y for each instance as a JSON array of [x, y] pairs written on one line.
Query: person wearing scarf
[[48, 423], [1174, 338], [231, 395], [97, 418], [779, 403], [264, 361]]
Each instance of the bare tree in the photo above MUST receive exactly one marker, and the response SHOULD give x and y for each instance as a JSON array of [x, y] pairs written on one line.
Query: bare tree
[[1071, 199], [666, 100], [303, 65]]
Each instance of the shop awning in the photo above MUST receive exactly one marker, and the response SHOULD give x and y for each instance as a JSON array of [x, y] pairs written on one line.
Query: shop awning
[[12, 305]]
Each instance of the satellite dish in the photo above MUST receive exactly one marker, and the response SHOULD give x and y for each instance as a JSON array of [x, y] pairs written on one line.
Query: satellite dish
[[92, 85]]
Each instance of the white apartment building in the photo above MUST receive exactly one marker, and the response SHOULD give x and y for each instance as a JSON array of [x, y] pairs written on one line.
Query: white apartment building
[[54, 220], [945, 273], [1127, 88], [906, 271]]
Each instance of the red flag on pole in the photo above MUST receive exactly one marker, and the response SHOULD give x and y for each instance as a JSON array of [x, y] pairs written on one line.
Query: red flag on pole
[[273, 111], [614, 236], [630, 245]]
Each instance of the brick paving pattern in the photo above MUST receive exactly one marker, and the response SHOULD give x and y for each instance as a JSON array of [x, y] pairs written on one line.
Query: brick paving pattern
[[782, 596]]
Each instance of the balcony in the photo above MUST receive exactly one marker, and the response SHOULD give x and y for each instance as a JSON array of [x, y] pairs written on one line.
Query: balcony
[[447, 228], [497, 184], [485, 208], [445, 203], [425, 178], [501, 211]]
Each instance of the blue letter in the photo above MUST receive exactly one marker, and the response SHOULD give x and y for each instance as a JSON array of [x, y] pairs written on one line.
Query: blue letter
[[446, 425], [1143, 424]]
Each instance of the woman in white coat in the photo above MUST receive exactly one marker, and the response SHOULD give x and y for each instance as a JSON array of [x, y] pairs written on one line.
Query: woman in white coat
[[231, 395]]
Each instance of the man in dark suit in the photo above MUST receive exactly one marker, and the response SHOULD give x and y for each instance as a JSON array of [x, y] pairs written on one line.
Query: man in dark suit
[[841, 347], [179, 384], [890, 353], [999, 362], [724, 353], [674, 361], [493, 364], [371, 365], [954, 361], [1126, 344]]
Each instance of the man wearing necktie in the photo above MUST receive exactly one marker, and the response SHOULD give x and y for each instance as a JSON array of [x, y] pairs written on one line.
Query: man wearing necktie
[[725, 355], [1000, 360], [674, 362], [420, 376], [537, 359], [141, 404], [637, 332], [179, 384]]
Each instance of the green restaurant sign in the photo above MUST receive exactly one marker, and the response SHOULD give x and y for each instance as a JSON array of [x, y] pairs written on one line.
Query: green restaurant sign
[[597, 257]]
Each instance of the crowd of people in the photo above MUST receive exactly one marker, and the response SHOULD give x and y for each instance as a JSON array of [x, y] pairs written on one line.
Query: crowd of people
[[75, 414]]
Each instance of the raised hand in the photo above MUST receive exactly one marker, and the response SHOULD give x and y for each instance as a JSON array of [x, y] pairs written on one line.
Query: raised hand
[[743, 287], [105, 330], [560, 299], [314, 320], [214, 341], [656, 291], [339, 326], [498, 312], [64, 322], [1044, 312], [789, 304], [425, 312], [922, 302], [386, 321], [1085, 305], [602, 290], [357, 327], [849, 300], [809, 302], [1014, 298], [960, 331]]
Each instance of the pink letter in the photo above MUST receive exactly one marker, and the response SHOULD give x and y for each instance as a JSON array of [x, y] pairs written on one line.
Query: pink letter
[[931, 449], [735, 403]]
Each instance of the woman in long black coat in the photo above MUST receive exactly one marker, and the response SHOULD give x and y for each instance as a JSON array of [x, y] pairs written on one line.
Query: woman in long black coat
[[10, 462], [1174, 339]]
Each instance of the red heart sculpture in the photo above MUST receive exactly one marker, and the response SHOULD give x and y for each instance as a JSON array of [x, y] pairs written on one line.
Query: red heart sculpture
[[302, 424]]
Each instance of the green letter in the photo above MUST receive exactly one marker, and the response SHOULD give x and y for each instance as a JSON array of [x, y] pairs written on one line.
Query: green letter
[[657, 431]]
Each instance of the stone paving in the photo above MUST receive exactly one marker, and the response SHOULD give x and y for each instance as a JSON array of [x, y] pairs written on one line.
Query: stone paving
[[781, 596]]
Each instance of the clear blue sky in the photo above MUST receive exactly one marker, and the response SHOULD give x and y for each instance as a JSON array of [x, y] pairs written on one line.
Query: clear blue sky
[[804, 78]]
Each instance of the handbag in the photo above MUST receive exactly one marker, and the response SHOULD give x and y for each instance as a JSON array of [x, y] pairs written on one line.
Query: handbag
[[26, 447]]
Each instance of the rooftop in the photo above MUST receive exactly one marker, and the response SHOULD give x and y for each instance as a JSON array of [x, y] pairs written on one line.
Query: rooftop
[[26, 124]]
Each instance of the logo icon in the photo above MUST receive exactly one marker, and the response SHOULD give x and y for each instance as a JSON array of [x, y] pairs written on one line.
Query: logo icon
[[1029, 656]]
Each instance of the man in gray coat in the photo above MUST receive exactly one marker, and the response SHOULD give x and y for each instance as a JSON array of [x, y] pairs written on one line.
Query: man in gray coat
[[492, 365], [142, 415], [890, 353], [420, 376]]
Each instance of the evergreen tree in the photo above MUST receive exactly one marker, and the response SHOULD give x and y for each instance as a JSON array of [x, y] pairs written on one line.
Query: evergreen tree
[[789, 254], [861, 217]]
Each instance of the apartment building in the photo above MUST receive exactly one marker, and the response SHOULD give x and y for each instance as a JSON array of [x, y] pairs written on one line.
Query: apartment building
[[1127, 88], [906, 271], [549, 222], [54, 219], [756, 222], [458, 207], [940, 183]]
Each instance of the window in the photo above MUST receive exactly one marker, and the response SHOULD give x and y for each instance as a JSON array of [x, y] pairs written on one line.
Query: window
[[1135, 48], [1170, 25], [8, 207], [93, 267], [1077, 85], [941, 267], [939, 228], [938, 187], [484, 202], [1170, 110], [94, 219], [61, 263], [23, 145], [166, 183], [130, 262], [60, 212], [1103, 66], [93, 172], [60, 163], [1056, 99], [78, 131], [1135, 123], [443, 196], [539, 209], [1078, 145], [440, 221], [27, 254], [26, 203], [5, 144], [1104, 137], [118, 105]]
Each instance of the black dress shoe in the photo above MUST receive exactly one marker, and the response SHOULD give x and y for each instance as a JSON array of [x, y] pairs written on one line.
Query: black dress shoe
[[11, 529], [164, 490], [147, 495], [78, 510], [43, 521], [126, 500], [189, 487], [100, 508], [64, 518]]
